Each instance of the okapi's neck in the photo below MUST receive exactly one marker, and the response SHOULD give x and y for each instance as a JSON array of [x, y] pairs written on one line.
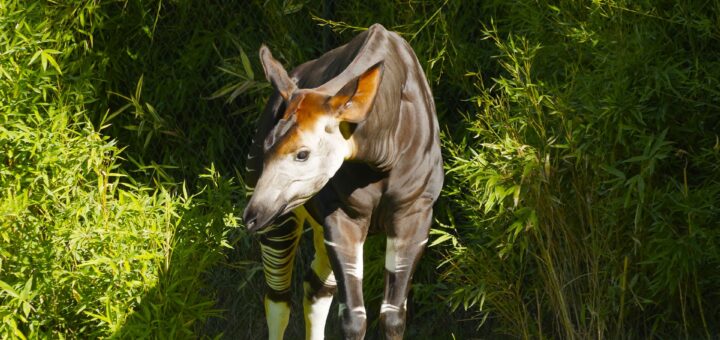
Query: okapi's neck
[[374, 139]]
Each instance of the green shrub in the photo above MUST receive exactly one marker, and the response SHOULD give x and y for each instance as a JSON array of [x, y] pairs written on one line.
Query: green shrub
[[580, 141], [83, 244], [592, 163]]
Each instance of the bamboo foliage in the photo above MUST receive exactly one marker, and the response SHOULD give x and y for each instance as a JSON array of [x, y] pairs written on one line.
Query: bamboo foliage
[[580, 138]]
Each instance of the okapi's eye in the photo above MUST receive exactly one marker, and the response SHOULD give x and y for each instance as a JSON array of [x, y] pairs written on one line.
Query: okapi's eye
[[302, 155]]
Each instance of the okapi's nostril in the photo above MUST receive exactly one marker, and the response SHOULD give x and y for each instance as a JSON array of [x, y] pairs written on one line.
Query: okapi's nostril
[[251, 224], [250, 219]]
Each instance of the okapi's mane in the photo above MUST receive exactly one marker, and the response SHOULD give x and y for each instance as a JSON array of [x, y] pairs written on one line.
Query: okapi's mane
[[280, 129]]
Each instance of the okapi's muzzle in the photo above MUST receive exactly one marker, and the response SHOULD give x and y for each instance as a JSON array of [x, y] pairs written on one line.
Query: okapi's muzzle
[[257, 217]]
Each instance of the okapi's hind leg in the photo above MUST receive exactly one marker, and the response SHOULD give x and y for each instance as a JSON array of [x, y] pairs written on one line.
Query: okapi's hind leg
[[405, 243], [278, 247], [320, 286]]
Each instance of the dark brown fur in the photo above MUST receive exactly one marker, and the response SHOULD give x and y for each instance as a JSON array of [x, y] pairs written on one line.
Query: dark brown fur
[[395, 175]]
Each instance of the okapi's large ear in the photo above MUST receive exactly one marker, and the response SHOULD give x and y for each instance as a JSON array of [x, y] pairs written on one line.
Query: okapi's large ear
[[276, 74], [354, 101]]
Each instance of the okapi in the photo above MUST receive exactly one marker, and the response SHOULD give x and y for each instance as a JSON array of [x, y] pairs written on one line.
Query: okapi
[[349, 140]]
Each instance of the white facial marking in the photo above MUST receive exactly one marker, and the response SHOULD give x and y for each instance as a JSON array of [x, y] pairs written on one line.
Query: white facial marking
[[287, 180]]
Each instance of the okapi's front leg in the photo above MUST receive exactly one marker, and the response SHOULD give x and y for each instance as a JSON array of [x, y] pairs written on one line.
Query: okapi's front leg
[[278, 246], [405, 243], [320, 286], [344, 238]]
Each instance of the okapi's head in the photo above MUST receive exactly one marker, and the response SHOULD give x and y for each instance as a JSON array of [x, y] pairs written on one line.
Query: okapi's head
[[309, 143]]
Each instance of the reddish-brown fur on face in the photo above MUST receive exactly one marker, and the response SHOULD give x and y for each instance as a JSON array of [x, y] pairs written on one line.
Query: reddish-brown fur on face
[[352, 104], [307, 106]]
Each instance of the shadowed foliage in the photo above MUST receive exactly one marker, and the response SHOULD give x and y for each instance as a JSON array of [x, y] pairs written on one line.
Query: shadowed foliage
[[581, 145]]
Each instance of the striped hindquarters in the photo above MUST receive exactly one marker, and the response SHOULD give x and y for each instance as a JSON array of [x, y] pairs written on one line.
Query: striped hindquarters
[[278, 247]]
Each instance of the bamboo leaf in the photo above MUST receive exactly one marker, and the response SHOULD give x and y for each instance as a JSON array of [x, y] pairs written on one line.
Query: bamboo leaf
[[8, 289], [246, 65]]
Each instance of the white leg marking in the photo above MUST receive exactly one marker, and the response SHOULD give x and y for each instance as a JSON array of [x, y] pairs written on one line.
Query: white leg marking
[[332, 244], [316, 313], [317, 309], [356, 269], [329, 279], [278, 315], [386, 307], [360, 311], [394, 262]]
